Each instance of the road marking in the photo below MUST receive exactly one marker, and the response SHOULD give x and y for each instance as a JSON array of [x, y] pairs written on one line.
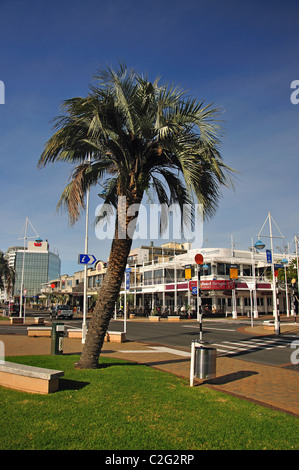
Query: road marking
[[208, 328], [158, 349], [235, 347]]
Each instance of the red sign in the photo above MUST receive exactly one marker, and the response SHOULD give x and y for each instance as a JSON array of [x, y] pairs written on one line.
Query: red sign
[[217, 285], [182, 285], [192, 284], [37, 244], [198, 258]]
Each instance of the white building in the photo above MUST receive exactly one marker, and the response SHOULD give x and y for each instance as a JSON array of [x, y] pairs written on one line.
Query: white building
[[235, 282], [164, 278]]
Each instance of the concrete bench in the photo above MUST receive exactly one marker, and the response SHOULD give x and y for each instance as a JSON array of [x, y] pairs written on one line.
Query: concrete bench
[[173, 318], [37, 331], [29, 378], [269, 324], [111, 336], [75, 333], [115, 337], [16, 320]]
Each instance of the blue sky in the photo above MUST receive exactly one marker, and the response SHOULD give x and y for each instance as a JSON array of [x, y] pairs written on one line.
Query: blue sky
[[240, 55]]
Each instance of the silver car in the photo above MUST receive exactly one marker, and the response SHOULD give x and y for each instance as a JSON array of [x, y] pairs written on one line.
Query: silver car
[[62, 311]]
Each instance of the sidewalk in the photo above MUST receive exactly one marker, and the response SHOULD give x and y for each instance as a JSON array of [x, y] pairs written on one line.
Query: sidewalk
[[272, 386]]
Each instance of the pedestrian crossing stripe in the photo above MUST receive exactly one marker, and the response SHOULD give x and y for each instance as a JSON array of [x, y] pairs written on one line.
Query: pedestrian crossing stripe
[[255, 344], [224, 348]]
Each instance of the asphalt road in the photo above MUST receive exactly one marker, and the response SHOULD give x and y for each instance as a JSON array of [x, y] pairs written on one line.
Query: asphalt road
[[224, 335]]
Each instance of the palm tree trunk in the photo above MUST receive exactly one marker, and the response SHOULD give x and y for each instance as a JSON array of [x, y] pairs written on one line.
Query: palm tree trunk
[[109, 292]]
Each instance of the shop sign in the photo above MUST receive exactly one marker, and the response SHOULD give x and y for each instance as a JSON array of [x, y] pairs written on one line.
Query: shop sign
[[188, 271], [192, 285], [233, 271], [217, 285]]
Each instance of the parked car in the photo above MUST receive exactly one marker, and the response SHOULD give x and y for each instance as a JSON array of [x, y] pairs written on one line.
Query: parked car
[[12, 310], [62, 311]]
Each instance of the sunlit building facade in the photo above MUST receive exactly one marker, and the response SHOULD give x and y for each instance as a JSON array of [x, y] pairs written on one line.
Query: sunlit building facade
[[164, 280]]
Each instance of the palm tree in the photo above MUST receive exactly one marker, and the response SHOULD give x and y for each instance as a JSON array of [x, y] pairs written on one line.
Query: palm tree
[[7, 274], [132, 135]]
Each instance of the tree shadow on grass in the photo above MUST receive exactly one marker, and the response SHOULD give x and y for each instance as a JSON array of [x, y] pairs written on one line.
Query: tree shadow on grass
[[105, 365], [67, 384]]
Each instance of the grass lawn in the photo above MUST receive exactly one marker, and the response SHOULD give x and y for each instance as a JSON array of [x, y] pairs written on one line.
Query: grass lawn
[[126, 406]]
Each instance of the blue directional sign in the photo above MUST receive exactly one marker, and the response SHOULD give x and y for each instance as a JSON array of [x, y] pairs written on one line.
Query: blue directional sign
[[194, 290], [269, 256], [127, 280], [86, 259]]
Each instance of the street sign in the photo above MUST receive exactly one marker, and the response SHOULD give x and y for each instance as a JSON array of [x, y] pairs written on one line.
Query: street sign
[[251, 285], [198, 258], [194, 290], [269, 256], [233, 272], [188, 274], [86, 259], [127, 280]]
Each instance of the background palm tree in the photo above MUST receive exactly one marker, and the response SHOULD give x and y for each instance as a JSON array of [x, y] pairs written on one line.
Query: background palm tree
[[7, 274], [138, 135]]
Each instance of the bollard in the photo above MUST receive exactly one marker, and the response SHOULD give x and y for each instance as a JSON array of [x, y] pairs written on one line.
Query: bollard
[[57, 335]]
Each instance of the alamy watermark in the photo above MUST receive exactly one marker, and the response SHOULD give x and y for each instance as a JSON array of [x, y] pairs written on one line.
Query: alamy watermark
[[153, 221], [2, 353], [2, 92], [295, 354], [295, 94]]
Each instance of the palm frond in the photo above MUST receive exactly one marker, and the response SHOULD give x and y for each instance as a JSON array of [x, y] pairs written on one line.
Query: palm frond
[[141, 135]]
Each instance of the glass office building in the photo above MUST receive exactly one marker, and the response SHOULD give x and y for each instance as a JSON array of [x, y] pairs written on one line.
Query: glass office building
[[38, 267]]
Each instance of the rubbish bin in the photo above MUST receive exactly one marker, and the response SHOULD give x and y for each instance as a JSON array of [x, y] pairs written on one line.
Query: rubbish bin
[[57, 335], [203, 361]]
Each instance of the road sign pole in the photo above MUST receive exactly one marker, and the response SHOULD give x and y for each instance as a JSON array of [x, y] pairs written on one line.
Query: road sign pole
[[125, 312], [199, 306], [199, 261], [127, 286]]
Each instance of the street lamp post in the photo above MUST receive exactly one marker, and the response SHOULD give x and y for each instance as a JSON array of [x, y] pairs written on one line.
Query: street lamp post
[[297, 259], [274, 293], [255, 309], [84, 324], [23, 267], [293, 309], [284, 261]]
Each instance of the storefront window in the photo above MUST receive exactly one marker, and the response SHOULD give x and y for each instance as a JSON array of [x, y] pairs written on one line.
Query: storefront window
[[158, 276], [247, 270], [148, 278], [169, 275]]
